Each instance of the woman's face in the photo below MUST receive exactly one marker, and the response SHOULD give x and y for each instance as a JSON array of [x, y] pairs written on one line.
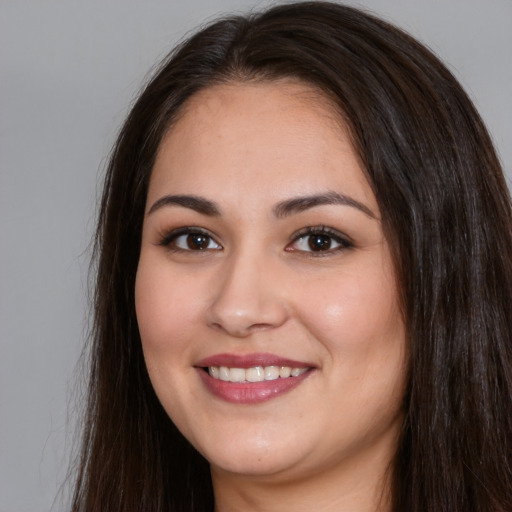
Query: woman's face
[[265, 294]]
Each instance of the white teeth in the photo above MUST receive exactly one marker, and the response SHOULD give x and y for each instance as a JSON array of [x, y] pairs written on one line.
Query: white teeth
[[236, 374], [285, 371], [224, 373], [255, 374], [271, 372]]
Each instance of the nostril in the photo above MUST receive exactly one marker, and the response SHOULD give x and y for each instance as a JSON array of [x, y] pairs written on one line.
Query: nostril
[[216, 326]]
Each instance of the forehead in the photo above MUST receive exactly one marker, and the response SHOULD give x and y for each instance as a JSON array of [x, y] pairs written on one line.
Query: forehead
[[286, 136], [289, 95]]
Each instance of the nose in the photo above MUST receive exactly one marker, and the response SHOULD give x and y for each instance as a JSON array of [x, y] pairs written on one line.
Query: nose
[[249, 297]]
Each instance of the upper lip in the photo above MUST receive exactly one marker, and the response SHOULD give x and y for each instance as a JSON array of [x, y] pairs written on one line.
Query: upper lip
[[250, 361]]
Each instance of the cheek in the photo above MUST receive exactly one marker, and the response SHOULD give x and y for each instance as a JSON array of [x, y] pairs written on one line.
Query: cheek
[[165, 321], [352, 312], [166, 307]]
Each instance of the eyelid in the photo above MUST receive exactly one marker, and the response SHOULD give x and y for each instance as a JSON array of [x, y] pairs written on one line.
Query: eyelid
[[343, 240], [167, 238]]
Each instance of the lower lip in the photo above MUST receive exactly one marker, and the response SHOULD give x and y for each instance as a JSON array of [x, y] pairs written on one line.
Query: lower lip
[[250, 392]]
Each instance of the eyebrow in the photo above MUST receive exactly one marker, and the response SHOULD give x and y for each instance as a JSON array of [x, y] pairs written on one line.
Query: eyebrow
[[281, 210], [299, 204], [199, 204]]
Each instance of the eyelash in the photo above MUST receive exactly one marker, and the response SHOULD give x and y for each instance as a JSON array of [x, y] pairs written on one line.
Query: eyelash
[[331, 235], [169, 239], [321, 231]]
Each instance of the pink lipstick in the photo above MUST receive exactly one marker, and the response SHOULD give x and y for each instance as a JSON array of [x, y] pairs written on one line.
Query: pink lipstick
[[251, 378]]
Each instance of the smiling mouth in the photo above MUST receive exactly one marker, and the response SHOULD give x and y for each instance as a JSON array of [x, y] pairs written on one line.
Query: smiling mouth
[[251, 378], [255, 374], [252, 385]]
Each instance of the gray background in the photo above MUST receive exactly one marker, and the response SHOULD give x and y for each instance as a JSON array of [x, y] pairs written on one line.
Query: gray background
[[69, 70]]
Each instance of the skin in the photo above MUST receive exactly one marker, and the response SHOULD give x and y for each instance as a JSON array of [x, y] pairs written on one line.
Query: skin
[[258, 287]]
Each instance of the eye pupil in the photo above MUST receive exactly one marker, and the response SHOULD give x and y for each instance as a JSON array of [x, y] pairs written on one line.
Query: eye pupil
[[197, 241], [319, 242]]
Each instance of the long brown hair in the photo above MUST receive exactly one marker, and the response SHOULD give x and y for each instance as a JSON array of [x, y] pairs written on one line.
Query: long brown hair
[[445, 210]]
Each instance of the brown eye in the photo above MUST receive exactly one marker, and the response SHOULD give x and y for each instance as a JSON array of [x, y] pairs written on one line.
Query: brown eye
[[197, 241], [193, 241], [320, 242]]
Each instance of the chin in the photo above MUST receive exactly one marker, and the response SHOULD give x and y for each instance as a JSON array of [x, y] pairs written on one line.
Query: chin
[[259, 467], [255, 458]]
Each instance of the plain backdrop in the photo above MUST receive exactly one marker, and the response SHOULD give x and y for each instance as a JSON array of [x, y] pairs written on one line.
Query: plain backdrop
[[69, 72]]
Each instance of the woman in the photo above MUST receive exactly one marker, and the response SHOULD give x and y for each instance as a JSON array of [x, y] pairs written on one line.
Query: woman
[[304, 281]]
